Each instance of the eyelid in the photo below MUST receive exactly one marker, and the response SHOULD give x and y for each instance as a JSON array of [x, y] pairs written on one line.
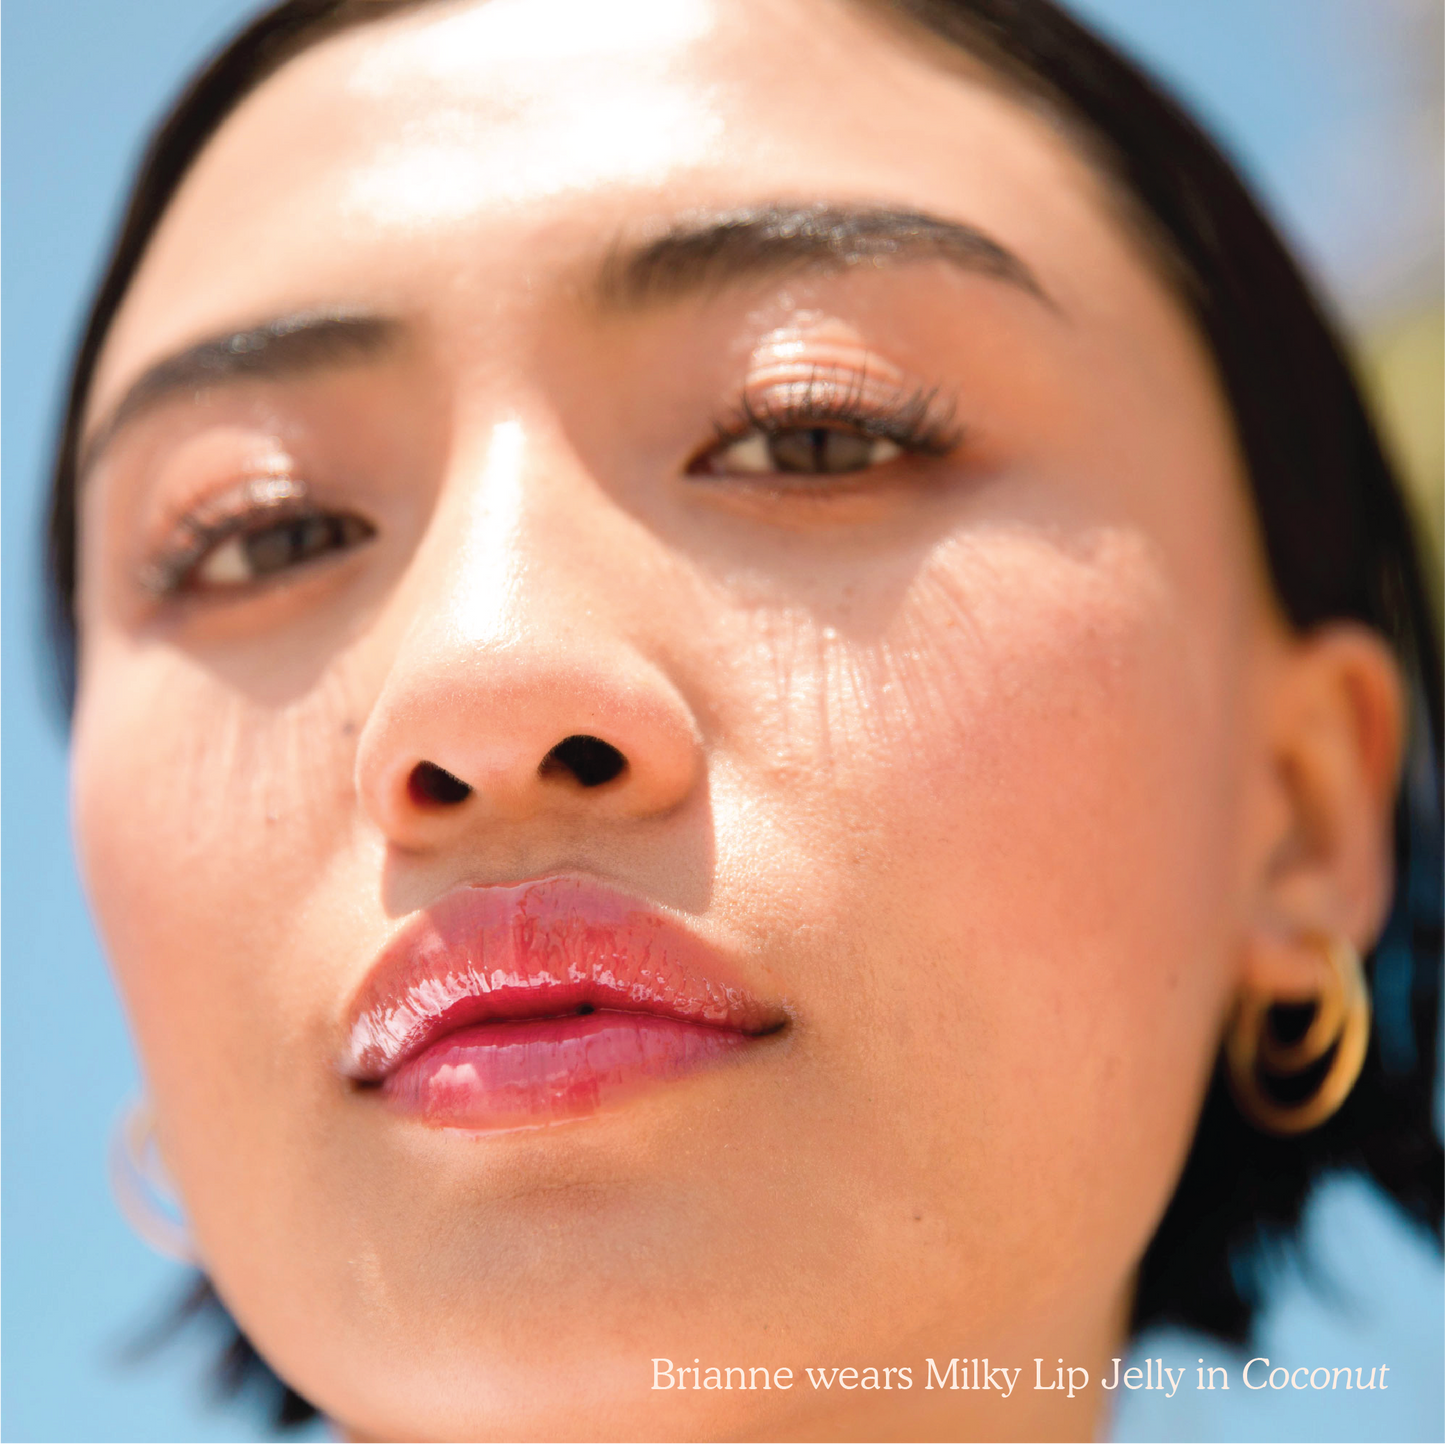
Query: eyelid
[[880, 407], [195, 531], [916, 418]]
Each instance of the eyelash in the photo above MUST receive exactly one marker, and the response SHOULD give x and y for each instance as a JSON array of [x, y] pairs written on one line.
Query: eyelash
[[917, 422], [914, 422], [263, 509]]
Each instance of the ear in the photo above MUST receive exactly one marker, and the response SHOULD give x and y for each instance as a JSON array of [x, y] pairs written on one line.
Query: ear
[[1334, 737]]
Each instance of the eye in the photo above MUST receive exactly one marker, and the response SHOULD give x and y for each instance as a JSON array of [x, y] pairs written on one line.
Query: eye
[[811, 450], [257, 552], [828, 425]]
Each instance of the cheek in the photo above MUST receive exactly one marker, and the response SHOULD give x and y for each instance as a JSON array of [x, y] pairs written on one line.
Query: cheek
[[1015, 804], [204, 823], [980, 826]]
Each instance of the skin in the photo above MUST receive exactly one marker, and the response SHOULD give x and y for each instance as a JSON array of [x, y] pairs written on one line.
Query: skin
[[999, 771]]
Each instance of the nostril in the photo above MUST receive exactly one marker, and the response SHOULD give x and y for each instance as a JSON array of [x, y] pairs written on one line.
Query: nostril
[[429, 783], [589, 759]]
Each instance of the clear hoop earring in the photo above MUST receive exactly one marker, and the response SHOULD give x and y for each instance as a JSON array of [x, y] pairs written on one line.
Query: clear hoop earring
[[141, 1189]]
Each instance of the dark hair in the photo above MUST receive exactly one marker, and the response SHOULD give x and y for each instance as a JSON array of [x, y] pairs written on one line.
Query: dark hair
[[1336, 531]]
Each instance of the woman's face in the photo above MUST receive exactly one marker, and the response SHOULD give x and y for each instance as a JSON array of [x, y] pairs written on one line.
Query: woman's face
[[754, 389]]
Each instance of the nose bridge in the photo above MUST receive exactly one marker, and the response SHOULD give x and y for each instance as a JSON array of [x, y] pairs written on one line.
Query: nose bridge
[[514, 676], [514, 587], [480, 543]]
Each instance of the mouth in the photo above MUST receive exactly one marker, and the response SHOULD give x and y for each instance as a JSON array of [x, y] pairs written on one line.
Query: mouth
[[508, 1007]]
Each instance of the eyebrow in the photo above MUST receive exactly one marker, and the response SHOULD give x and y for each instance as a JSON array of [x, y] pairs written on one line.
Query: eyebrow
[[286, 346], [696, 256], [693, 256]]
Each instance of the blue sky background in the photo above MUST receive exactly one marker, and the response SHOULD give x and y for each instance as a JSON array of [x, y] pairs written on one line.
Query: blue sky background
[[1332, 107]]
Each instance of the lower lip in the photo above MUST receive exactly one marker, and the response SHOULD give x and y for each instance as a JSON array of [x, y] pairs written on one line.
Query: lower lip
[[542, 1070]]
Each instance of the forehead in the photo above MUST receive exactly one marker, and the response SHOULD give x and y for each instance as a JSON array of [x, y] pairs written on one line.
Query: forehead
[[481, 148]]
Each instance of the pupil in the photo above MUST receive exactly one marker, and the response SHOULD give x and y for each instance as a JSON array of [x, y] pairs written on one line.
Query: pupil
[[288, 542], [820, 450]]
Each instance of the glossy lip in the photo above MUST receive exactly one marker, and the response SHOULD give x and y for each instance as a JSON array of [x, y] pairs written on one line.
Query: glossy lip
[[593, 990]]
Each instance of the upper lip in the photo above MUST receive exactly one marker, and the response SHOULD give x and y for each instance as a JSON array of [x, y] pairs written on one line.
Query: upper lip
[[547, 948]]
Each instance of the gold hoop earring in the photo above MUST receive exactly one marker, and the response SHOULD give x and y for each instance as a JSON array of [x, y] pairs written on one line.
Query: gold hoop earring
[[1255, 1054]]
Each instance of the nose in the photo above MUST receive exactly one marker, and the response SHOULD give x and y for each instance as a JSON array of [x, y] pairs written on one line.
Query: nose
[[467, 734], [519, 692]]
